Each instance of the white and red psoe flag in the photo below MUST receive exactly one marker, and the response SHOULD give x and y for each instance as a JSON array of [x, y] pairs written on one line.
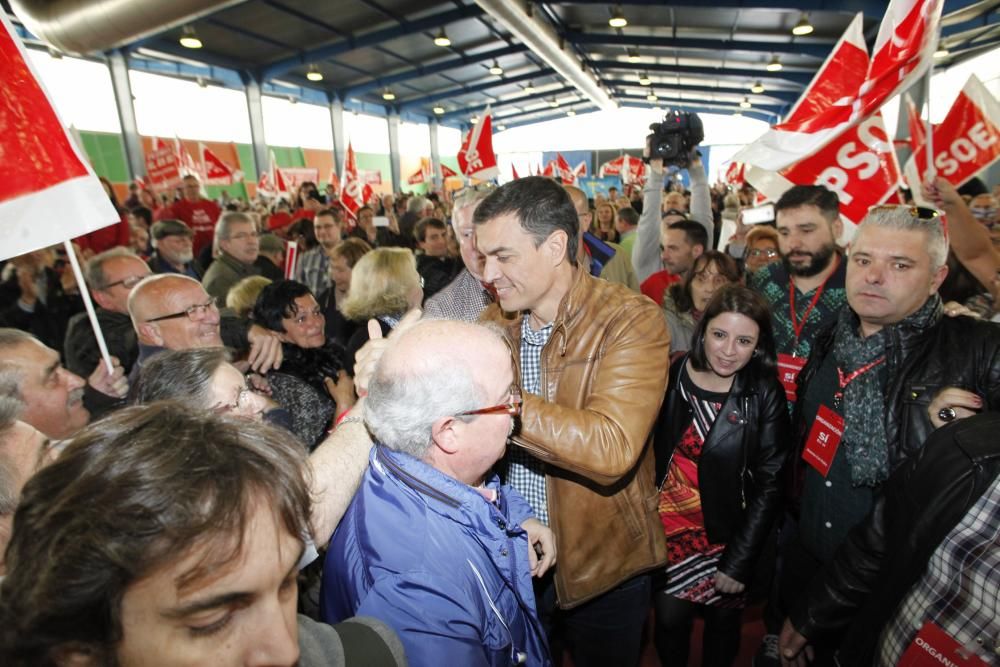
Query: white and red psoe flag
[[352, 197], [513, 172], [416, 178], [736, 174], [843, 94], [580, 170], [564, 171], [447, 172], [43, 174], [550, 170], [611, 167], [967, 140], [216, 171], [859, 165], [476, 158]]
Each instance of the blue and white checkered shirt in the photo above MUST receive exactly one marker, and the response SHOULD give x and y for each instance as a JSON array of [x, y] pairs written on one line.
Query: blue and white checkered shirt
[[960, 590], [525, 473]]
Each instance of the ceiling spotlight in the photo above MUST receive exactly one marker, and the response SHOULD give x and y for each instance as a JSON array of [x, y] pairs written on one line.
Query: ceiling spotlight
[[941, 52], [201, 82], [495, 69], [438, 110], [757, 88], [644, 79], [292, 99], [388, 95], [652, 97], [745, 104], [774, 65], [570, 113], [738, 112], [314, 74], [617, 19], [474, 119], [633, 56], [529, 88], [441, 39], [55, 53], [803, 27], [501, 128], [189, 39], [554, 103]]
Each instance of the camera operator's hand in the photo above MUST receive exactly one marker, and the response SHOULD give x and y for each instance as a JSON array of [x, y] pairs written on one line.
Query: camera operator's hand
[[695, 158]]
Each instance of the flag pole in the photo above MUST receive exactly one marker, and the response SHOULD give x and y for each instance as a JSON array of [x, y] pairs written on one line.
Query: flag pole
[[88, 304]]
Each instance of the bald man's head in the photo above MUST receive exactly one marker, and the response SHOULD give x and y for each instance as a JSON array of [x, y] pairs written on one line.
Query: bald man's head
[[174, 311]]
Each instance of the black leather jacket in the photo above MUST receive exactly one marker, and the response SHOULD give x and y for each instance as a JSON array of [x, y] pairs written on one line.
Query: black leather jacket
[[955, 352], [885, 556], [741, 461]]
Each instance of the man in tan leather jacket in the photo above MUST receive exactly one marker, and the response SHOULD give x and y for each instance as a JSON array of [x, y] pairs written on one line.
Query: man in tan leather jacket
[[593, 361]]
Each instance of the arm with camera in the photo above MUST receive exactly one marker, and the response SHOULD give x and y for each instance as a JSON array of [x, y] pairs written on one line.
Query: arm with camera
[[701, 196], [646, 251]]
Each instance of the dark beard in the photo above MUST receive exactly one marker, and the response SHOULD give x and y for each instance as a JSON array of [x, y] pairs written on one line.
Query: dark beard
[[818, 262]]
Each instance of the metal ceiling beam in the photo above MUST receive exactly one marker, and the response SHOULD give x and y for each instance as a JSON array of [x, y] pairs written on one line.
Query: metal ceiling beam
[[815, 50], [427, 70], [871, 8], [465, 90], [702, 109], [514, 101], [798, 78], [707, 103], [781, 96], [543, 115], [372, 38]]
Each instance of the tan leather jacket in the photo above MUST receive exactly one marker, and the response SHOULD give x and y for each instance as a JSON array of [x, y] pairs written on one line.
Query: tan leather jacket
[[603, 376]]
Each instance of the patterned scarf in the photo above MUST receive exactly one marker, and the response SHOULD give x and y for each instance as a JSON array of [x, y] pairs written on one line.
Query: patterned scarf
[[863, 402]]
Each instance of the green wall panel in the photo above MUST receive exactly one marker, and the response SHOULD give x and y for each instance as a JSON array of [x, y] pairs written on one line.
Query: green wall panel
[[106, 153]]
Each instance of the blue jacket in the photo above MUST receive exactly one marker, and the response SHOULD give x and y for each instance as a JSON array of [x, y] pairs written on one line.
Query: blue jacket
[[437, 562]]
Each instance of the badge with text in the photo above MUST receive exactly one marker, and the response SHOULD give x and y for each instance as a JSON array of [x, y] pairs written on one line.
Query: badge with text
[[823, 440], [934, 647], [789, 368]]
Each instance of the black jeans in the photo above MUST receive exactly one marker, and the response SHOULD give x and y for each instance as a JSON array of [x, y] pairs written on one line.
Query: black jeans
[[672, 635], [605, 631]]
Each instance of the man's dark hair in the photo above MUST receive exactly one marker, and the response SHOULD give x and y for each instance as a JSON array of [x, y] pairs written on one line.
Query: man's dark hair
[[810, 195], [334, 213], [629, 216], [131, 494], [144, 213], [737, 299], [541, 205], [694, 233], [181, 375], [276, 302], [420, 230]]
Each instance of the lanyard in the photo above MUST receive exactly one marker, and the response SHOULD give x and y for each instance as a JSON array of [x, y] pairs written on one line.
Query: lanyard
[[798, 326], [847, 379]]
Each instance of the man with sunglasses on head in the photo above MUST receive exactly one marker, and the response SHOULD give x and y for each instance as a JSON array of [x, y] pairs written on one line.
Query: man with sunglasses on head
[[174, 312], [111, 276], [888, 371], [432, 544]]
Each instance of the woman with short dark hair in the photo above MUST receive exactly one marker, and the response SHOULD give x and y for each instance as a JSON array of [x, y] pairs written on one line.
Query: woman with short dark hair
[[720, 443]]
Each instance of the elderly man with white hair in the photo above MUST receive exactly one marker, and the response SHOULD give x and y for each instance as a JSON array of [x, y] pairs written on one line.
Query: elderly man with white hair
[[433, 544]]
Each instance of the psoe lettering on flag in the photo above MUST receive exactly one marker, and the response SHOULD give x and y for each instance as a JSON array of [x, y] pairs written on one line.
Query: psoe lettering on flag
[[476, 158], [43, 175], [859, 166], [351, 195]]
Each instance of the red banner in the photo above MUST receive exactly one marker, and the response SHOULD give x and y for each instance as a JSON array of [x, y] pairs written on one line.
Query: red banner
[[351, 195], [476, 158], [216, 171], [163, 167], [566, 174], [447, 172]]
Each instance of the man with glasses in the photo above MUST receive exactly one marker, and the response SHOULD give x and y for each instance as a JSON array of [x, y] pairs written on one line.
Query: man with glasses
[[239, 247], [314, 265], [175, 312], [111, 276], [889, 370], [433, 544]]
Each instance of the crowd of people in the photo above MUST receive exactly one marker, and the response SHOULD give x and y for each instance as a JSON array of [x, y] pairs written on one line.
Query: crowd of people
[[504, 425]]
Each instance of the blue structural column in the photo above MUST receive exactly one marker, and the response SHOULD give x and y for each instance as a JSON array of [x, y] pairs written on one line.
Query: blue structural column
[[435, 153], [339, 141], [134, 157], [256, 110], [394, 150]]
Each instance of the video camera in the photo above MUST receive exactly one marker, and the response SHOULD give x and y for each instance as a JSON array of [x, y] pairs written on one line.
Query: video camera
[[673, 138]]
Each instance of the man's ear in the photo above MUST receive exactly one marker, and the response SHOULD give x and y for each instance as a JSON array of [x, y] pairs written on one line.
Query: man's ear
[[938, 277], [149, 333], [838, 229], [697, 250], [555, 245], [74, 654], [443, 435]]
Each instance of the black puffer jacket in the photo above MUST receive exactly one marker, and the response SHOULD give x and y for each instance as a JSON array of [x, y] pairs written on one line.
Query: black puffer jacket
[[740, 464], [954, 352], [885, 556]]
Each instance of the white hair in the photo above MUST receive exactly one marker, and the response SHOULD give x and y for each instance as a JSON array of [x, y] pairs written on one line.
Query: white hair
[[906, 218]]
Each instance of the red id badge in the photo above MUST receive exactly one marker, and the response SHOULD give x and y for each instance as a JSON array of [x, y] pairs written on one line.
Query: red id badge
[[789, 368], [824, 438], [933, 647]]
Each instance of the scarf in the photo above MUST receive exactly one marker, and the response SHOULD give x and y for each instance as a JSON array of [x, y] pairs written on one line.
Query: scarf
[[863, 402]]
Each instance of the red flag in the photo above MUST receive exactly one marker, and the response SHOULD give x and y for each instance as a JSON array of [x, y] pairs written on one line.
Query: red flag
[[476, 158], [351, 195], [580, 170], [550, 170], [736, 173], [903, 51], [43, 174], [967, 140], [612, 167], [216, 170], [859, 165], [447, 172], [416, 177], [566, 174], [918, 129], [513, 171], [188, 165]]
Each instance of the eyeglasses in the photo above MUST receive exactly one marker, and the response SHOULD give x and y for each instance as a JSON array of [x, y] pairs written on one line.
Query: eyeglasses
[[193, 313], [513, 408], [762, 252], [243, 236], [243, 402], [127, 283]]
